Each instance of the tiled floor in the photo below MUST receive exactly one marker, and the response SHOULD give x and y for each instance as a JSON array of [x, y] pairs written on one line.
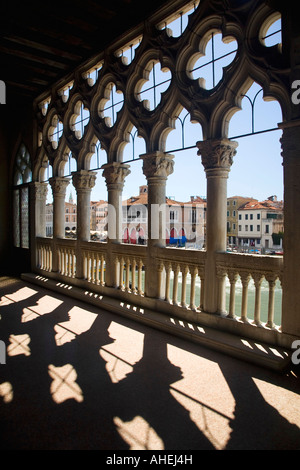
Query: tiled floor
[[77, 377]]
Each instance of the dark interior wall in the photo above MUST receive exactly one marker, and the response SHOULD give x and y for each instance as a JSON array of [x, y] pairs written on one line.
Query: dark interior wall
[[16, 126]]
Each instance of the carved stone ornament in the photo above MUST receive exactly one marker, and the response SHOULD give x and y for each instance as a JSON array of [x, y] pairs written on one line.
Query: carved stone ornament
[[157, 165], [84, 180], [115, 173], [58, 185], [217, 153], [40, 190]]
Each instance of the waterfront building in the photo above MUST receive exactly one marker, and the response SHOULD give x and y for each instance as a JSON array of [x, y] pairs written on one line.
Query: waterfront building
[[184, 222], [261, 225]]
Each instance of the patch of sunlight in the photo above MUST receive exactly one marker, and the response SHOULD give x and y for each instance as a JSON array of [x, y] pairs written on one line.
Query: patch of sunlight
[[246, 343], [45, 305], [283, 400], [19, 345], [116, 368], [204, 393], [5, 301], [6, 392], [121, 355], [138, 434], [80, 321], [21, 294], [64, 386]]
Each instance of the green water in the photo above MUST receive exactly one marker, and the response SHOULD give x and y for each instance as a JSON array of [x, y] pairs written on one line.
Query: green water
[[238, 298]]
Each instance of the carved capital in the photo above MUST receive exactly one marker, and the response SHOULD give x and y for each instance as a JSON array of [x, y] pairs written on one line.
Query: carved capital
[[157, 165], [84, 180], [115, 173], [40, 190], [59, 185], [217, 153]]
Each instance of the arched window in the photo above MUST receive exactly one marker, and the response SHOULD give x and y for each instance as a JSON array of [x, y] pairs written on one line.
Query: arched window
[[22, 175]]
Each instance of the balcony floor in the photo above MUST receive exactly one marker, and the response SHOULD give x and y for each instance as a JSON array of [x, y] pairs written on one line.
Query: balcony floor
[[78, 377]]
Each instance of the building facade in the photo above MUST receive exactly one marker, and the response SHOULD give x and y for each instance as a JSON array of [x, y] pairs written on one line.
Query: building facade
[[259, 223], [233, 204], [184, 222]]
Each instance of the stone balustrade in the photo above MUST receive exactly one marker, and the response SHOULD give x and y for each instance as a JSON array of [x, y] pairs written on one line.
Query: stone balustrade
[[44, 254], [245, 267], [180, 275]]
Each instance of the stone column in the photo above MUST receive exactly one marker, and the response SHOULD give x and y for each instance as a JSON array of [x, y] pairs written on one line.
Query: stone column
[[157, 166], [59, 187], [217, 157], [83, 181], [114, 174], [39, 194], [290, 144]]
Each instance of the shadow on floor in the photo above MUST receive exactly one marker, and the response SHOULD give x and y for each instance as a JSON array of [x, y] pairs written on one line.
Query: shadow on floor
[[56, 391]]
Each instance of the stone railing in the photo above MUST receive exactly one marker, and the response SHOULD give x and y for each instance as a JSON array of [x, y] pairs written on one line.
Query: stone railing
[[129, 263], [44, 254], [94, 262], [181, 271], [120, 270], [66, 250], [248, 267]]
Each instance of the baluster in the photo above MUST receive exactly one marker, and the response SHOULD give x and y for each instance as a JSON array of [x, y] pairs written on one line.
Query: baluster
[[102, 270], [69, 263], [133, 282], [245, 278], [202, 281], [47, 258], [66, 261], [257, 278], [60, 261], [140, 274], [93, 273], [184, 271], [127, 275], [221, 276], [41, 251], [73, 263], [175, 284], [233, 277], [168, 275], [121, 273], [84, 262], [50, 259], [97, 269], [160, 269], [272, 282], [88, 266], [194, 272], [44, 258]]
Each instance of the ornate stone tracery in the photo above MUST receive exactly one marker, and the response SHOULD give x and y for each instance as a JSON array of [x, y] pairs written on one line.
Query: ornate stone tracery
[[271, 68]]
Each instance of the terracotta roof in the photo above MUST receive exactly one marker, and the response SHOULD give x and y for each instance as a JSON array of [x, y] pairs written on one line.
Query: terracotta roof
[[256, 205], [142, 199]]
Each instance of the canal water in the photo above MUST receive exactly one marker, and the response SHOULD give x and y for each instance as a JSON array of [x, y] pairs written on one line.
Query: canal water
[[238, 298]]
